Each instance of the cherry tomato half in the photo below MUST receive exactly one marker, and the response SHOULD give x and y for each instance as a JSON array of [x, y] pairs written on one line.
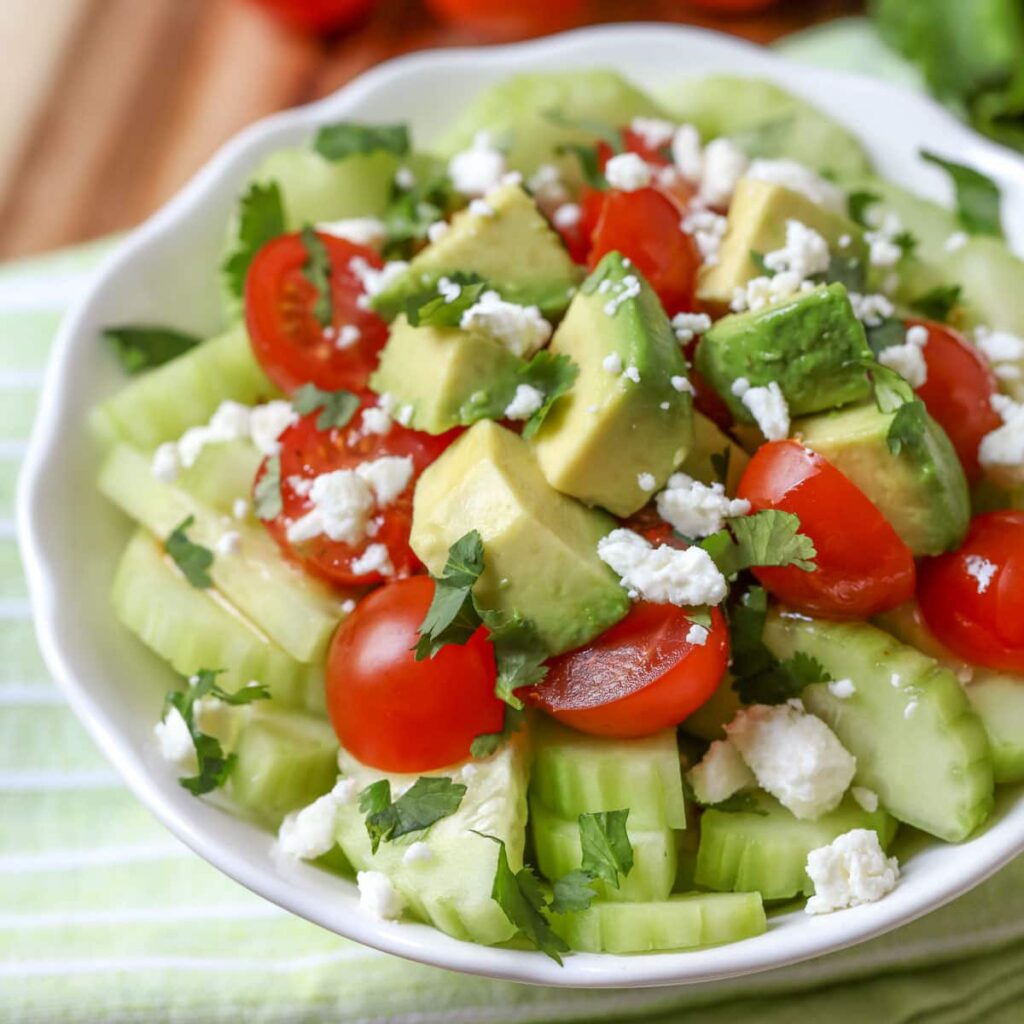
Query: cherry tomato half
[[307, 452], [958, 391], [640, 676], [973, 599], [318, 15], [510, 17], [862, 565], [394, 712], [288, 340]]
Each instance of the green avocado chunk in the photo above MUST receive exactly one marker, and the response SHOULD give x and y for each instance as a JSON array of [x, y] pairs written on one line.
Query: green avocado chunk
[[921, 491], [446, 375], [623, 425], [811, 346], [509, 244], [540, 547]]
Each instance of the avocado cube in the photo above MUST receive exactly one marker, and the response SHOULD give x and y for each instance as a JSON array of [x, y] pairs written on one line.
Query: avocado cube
[[540, 547], [922, 491], [445, 374], [812, 346], [757, 223], [623, 422], [510, 245]]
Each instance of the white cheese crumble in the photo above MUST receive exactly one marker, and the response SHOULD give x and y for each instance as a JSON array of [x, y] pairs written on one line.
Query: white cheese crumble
[[804, 254], [521, 329], [633, 373], [664, 574], [481, 208], [682, 385], [628, 172], [999, 346], [240, 508], [268, 422], [229, 543], [870, 309], [166, 465], [844, 689], [417, 853], [724, 163], [696, 509], [883, 250], [388, 476], [646, 482], [448, 289], [794, 756], [373, 280], [437, 230], [956, 241], [654, 132], [852, 870], [697, 634], [547, 187], [375, 420], [981, 570], [612, 363], [767, 405], [688, 325], [620, 292], [867, 799], [375, 558], [687, 153], [526, 401], [347, 336], [378, 896], [1001, 451], [358, 230], [722, 773], [908, 359], [708, 229], [477, 170], [567, 215], [798, 177], [309, 833], [175, 741], [761, 292], [404, 178]]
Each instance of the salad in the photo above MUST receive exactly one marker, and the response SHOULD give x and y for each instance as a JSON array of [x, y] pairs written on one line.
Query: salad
[[596, 529]]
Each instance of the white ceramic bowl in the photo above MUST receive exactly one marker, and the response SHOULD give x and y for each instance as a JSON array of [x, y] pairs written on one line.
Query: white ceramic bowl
[[165, 273]]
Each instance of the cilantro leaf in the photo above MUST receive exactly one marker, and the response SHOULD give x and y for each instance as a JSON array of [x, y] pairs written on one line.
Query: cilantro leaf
[[142, 348], [411, 212], [607, 851], [739, 803], [260, 218], [431, 309], [769, 537], [907, 242], [891, 390], [602, 130], [317, 271], [977, 196], [336, 407], [347, 138], [858, 203], [938, 302], [192, 559], [429, 799], [267, 492], [589, 163], [700, 616], [720, 463], [552, 374], [908, 426], [891, 331], [452, 617], [518, 651], [522, 901], [488, 742], [573, 891]]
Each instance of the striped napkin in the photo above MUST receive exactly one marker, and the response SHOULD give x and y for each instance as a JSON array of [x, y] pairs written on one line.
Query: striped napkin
[[105, 917]]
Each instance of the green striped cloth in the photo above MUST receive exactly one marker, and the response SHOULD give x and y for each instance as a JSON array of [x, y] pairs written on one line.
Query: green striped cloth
[[104, 917]]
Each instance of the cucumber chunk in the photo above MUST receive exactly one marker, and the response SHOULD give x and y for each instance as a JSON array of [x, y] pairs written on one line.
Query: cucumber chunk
[[221, 475], [161, 405], [680, 922], [556, 843], [450, 888], [918, 743], [575, 774], [285, 760], [765, 849], [293, 608], [194, 629], [998, 700]]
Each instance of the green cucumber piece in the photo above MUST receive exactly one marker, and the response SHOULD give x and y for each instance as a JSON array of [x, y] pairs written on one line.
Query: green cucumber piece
[[296, 610], [918, 743], [765, 849], [680, 922], [161, 405], [998, 700], [284, 761], [221, 475], [194, 629], [556, 843], [451, 888], [575, 774]]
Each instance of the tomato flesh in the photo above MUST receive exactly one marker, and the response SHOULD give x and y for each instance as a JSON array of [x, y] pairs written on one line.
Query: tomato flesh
[[318, 15], [973, 599], [862, 565], [958, 391], [291, 345], [307, 452], [399, 714], [639, 677]]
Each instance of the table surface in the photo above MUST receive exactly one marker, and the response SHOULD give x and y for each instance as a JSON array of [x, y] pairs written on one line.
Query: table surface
[[110, 105]]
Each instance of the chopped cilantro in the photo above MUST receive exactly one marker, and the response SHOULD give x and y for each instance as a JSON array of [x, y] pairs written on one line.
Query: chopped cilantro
[[260, 218], [488, 742], [411, 212], [142, 348], [552, 374], [518, 652], [432, 309], [590, 165], [573, 891], [192, 559], [977, 196], [452, 617], [907, 242], [938, 302], [430, 798], [336, 407], [769, 537], [891, 331], [267, 492], [720, 463], [858, 203], [317, 271], [346, 138], [699, 616], [908, 426], [607, 851]]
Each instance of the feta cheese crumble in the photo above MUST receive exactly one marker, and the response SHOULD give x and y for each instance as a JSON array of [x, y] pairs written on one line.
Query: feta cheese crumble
[[1001, 451], [526, 401], [521, 329], [697, 634], [417, 853], [567, 215], [175, 741], [867, 799], [268, 422], [908, 359], [620, 292], [956, 241], [240, 508], [437, 230], [348, 335], [682, 385], [688, 325], [612, 363], [627, 172], [708, 229], [721, 773], [229, 543], [547, 187], [696, 509], [798, 177], [375, 420], [794, 756], [309, 833], [687, 153], [481, 208], [378, 896], [767, 405], [981, 570], [804, 254], [883, 250], [358, 230], [654, 132], [477, 170], [376, 558], [999, 347], [646, 481], [663, 574], [870, 309], [724, 163], [761, 292], [842, 688], [852, 870]]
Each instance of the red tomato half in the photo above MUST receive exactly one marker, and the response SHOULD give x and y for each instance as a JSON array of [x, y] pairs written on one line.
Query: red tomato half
[[307, 452], [287, 339], [958, 391], [863, 566], [318, 15], [641, 676], [394, 712], [973, 599], [510, 17]]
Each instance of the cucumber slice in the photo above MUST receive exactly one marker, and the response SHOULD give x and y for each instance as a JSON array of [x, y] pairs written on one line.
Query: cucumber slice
[[765, 849], [998, 700], [194, 629], [574, 773], [296, 610], [284, 761], [183, 393], [918, 743], [221, 475], [680, 922], [450, 888], [556, 843]]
